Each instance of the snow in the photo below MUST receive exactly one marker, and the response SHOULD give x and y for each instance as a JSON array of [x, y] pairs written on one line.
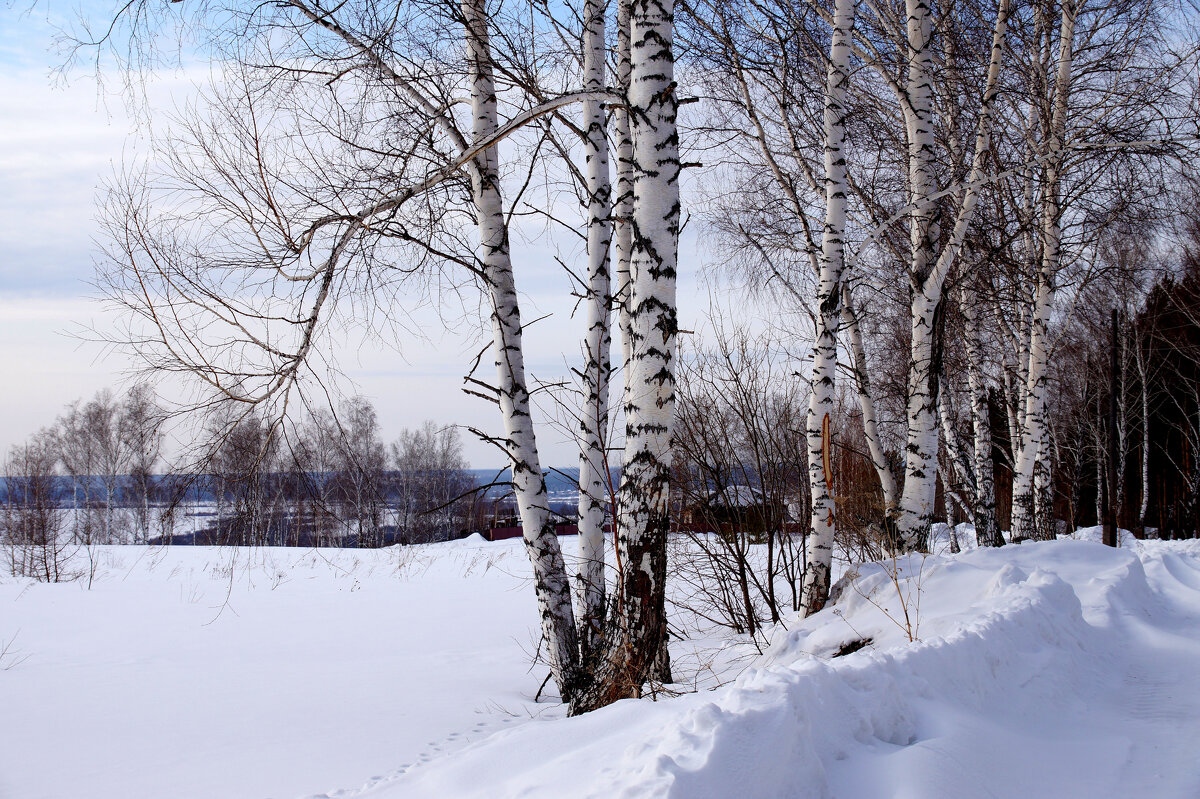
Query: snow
[[199, 672], [1041, 670]]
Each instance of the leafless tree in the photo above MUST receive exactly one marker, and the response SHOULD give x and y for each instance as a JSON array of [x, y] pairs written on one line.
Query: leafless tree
[[97, 457], [431, 485], [358, 478], [344, 156], [310, 461], [740, 483], [1099, 95], [244, 478], [32, 520], [140, 427]]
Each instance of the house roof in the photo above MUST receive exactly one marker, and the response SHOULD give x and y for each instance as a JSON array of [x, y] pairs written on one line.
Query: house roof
[[737, 497]]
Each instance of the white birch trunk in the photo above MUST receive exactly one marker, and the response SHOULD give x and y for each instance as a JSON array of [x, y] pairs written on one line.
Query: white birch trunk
[[1122, 424], [920, 467], [623, 203], [866, 403], [1143, 376], [920, 457], [920, 463], [960, 466], [983, 511], [593, 463], [650, 372], [623, 245], [1043, 487], [1033, 424], [819, 557], [541, 542]]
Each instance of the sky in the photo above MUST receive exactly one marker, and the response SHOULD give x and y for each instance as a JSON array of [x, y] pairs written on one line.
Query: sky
[[60, 139]]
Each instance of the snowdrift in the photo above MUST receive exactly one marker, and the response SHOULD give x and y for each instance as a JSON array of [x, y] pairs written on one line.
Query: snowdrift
[[1058, 669]]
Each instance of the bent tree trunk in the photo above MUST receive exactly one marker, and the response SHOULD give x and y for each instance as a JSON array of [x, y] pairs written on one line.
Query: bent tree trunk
[[819, 554], [541, 543]]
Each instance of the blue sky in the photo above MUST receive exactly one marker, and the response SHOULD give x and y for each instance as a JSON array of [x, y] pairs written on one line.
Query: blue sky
[[59, 140]]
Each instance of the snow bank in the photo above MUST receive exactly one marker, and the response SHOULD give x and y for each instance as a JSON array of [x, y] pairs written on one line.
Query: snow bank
[[1095, 534], [1019, 685]]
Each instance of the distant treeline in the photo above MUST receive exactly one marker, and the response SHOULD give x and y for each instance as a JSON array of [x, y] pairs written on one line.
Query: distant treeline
[[69, 491], [98, 476]]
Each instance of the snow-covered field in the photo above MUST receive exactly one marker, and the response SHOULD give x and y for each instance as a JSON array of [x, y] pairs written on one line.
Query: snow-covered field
[[1063, 669]]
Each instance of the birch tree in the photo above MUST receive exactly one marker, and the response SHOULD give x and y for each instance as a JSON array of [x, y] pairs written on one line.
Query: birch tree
[[640, 637], [594, 474], [899, 50], [828, 300], [357, 476], [930, 258], [1100, 111], [431, 483], [140, 427], [987, 531], [495, 269], [761, 97], [97, 456], [1030, 464], [31, 516], [294, 237]]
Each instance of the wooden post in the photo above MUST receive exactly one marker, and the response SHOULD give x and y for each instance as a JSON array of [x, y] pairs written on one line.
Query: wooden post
[[1110, 528]]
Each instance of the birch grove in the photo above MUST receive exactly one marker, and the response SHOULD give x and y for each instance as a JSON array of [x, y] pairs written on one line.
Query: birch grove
[[876, 174], [438, 157], [930, 263], [1085, 138], [927, 260]]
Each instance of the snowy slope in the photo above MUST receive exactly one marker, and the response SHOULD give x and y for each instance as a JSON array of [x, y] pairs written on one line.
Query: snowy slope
[[1050, 670], [198, 673]]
